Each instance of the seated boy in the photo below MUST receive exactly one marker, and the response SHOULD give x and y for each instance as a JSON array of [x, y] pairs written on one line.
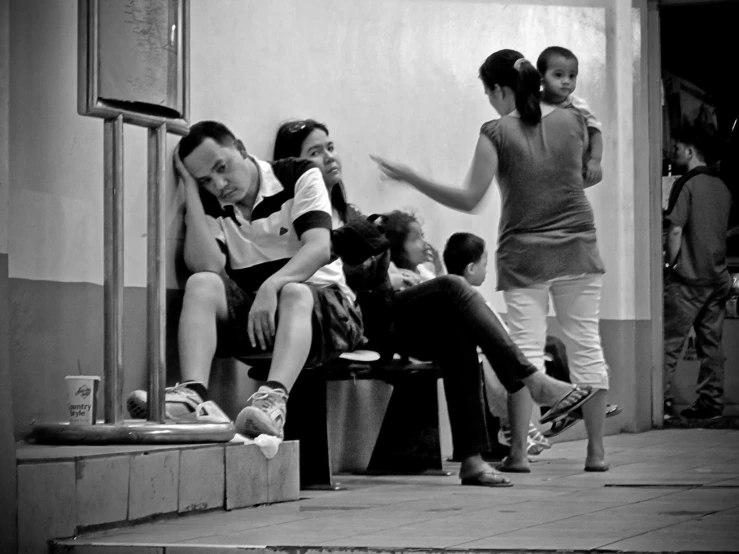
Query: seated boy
[[258, 243], [559, 68], [465, 254]]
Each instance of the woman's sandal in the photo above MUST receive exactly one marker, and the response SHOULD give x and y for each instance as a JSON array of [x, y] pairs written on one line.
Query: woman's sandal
[[582, 395], [487, 478]]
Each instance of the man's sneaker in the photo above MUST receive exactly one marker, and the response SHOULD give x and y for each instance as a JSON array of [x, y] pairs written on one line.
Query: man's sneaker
[[265, 414], [700, 410], [180, 402], [668, 411]]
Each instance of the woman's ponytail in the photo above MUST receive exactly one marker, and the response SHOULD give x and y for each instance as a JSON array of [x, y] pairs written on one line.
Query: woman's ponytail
[[528, 91], [510, 69]]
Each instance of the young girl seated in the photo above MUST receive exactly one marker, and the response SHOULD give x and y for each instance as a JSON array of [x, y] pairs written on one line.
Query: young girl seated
[[413, 260]]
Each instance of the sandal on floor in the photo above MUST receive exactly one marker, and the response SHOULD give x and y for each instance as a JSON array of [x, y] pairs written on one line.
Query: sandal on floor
[[582, 395], [613, 410], [599, 468], [487, 478], [504, 467]]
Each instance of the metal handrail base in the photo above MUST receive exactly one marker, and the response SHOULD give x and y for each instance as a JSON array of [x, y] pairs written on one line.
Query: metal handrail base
[[132, 432]]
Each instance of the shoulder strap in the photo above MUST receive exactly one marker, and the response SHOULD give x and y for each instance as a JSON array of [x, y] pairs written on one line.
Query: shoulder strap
[[677, 187]]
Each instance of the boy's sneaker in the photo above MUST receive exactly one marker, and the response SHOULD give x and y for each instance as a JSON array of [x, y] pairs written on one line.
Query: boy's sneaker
[[700, 410], [180, 402], [265, 413]]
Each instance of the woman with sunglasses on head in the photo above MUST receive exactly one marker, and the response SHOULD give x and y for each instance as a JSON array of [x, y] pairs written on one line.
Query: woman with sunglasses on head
[[547, 239], [444, 319]]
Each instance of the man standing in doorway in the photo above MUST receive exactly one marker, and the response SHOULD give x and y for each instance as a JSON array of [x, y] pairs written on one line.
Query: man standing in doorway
[[698, 282]]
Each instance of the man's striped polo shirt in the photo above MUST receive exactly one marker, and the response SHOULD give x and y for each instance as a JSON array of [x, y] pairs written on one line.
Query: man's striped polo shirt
[[292, 199]]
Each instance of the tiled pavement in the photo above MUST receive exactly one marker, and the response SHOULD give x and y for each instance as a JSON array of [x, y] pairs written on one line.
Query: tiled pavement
[[673, 490]]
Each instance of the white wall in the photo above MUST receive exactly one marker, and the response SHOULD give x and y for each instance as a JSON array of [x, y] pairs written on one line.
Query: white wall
[[56, 174], [398, 78], [392, 77]]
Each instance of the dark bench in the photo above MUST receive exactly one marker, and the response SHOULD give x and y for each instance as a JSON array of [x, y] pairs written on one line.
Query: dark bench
[[408, 441]]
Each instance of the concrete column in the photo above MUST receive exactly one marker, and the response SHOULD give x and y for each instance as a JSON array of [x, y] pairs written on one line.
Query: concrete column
[[635, 340]]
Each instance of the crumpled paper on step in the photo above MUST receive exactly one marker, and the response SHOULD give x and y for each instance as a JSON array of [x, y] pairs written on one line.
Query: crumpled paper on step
[[268, 444]]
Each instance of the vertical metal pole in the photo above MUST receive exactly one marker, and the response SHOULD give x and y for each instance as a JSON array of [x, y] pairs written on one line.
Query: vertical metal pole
[[113, 278], [156, 307]]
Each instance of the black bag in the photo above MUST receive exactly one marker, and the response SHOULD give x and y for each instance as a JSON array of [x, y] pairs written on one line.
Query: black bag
[[365, 251]]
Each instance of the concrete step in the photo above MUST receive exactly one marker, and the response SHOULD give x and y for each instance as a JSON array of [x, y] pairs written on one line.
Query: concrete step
[[67, 490]]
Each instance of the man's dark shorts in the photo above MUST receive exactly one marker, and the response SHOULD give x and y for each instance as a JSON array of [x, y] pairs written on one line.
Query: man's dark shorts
[[337, 324]]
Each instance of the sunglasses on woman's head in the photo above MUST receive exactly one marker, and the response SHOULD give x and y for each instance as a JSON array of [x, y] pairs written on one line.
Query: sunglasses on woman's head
[[297, 126]]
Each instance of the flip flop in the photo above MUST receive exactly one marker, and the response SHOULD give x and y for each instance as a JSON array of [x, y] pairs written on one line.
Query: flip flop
[[598, 468], [561, 425], [502, 466], [487, 478], [582, 393]]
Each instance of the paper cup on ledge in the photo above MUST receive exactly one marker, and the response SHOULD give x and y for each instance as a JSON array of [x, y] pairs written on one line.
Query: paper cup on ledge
[[82, 393]]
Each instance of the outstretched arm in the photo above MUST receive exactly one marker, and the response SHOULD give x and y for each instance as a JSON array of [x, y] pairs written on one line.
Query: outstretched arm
[[482, 170]]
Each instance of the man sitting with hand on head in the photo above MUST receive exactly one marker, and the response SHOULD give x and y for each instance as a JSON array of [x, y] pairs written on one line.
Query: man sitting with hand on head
[[258, 244]]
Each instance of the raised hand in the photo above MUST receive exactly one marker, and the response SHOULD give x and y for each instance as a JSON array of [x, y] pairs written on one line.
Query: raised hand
[[394, 170], [181, 171], [432, 254]]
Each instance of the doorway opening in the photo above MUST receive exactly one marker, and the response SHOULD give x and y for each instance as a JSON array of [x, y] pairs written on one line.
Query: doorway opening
[[695, 55]]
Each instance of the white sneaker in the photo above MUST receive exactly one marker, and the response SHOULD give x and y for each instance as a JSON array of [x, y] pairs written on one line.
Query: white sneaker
[[265, 414], [179, 402]]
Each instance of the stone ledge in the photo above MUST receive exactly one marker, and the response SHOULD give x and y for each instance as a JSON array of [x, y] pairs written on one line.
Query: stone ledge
[[65, 490]]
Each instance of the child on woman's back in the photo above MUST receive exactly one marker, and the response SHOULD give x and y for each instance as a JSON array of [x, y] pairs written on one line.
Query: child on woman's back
[[559, 69], [465, 255]]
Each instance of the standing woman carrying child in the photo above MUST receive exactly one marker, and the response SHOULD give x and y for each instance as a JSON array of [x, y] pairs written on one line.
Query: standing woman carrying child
[[546, 240]]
